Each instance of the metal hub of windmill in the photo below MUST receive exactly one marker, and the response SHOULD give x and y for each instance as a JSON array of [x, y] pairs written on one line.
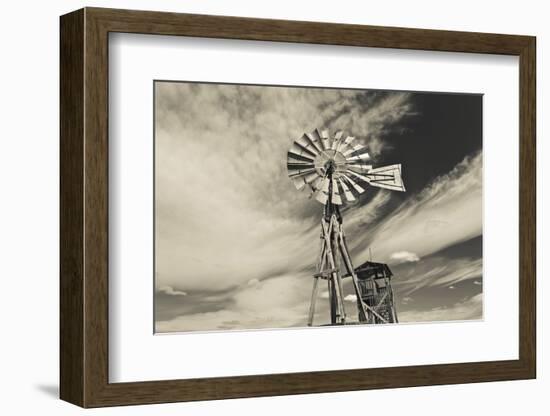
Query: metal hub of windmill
[[331, 167]]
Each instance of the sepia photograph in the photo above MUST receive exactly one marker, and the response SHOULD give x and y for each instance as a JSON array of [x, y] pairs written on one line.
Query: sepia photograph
[[298, 206]]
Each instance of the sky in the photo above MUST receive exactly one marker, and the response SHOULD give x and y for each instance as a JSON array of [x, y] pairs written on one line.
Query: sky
[[236, 244]]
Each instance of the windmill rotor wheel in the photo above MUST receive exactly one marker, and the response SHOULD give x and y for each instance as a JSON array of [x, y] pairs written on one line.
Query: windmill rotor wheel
[[337, 165]]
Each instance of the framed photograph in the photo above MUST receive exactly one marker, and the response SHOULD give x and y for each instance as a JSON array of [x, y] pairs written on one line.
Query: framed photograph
[[256, 207]]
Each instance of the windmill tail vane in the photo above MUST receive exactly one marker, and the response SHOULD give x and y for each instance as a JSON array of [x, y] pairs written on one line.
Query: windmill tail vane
[[335, 169]]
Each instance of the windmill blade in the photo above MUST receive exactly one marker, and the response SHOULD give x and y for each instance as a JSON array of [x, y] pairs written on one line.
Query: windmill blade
[[336, 198], [349, 140], [322, 193], [355, 150], [301, 150], [361, 167], [357, 175], [305, 179], [290, 165], [295, 162], [337, 138], [347, 192], [325, 136], [312, 177], [301, 172], [298, 183], [354, 184], [388, 177], [346, 145], [298, 157], [316, 186], [299, 165], [316, 183], [315, 139], [362, 155], [321, 197], [304, 143]]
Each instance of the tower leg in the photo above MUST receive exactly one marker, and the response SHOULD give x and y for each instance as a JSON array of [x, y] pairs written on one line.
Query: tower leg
[[314, 293], [332, 249], [333, 302], [390, 300], [338, 314], [362, 311], [313, 301], [392, 308], [338, 275]]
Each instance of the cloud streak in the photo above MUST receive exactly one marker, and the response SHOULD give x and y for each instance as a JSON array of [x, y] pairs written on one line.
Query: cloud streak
[[273, 303], [467, 309], [170, 291], [439, 271]]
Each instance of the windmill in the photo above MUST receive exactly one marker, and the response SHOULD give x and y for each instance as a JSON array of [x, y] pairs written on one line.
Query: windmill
[[333, 169]]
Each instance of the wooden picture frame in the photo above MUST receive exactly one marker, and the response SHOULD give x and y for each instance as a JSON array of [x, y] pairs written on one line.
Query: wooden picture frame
[[84, 207]]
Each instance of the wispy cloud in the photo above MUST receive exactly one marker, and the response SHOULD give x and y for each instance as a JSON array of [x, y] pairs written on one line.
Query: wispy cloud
[[274, 303], [469, 308], [377, 119], [405, 300], [439, 272], [168, 290]]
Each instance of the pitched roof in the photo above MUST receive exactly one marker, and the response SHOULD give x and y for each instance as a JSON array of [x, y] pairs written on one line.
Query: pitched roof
[[372, 269]]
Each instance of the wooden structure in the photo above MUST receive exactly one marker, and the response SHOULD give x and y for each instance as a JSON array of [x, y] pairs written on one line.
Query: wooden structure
[[333, 167], [334, 252], [376, 292]]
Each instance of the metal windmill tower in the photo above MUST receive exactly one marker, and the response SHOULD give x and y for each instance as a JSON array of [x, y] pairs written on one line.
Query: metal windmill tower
[[331, 167]]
